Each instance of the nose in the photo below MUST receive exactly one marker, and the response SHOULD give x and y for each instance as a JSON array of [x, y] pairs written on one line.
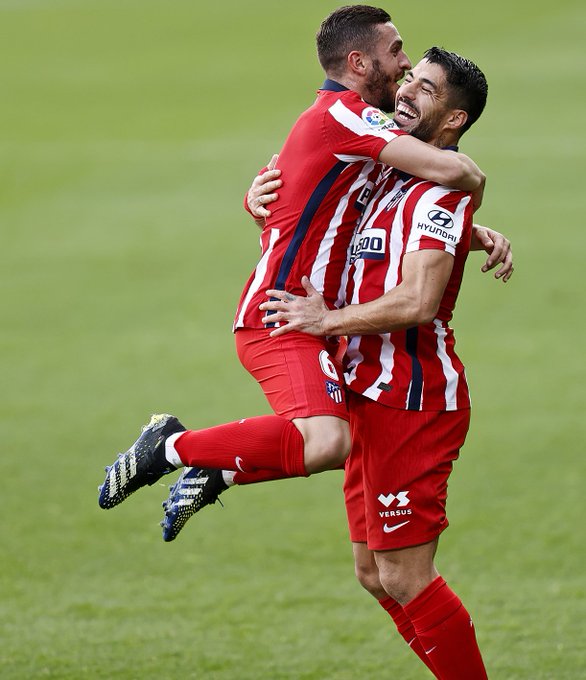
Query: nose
[[405, 90], [404, 61]]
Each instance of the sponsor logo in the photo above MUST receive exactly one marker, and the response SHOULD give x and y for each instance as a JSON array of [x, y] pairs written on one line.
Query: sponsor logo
[[441, 218], [395, 513], [437, 231], [369, 245], [334, 391], [388, 530], [365, 194], [388, 500], [239, 463], [327, 365], [396, 199]]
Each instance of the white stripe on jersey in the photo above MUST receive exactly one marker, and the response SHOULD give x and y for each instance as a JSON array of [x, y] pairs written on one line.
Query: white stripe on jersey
[[353, 122], [323, 254], [322, 259], [430, 198], [449, 372], [387, 363], [259, 275]]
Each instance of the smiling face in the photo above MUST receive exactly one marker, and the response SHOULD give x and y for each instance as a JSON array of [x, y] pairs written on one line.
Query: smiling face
[[422, 101], [387, 65]]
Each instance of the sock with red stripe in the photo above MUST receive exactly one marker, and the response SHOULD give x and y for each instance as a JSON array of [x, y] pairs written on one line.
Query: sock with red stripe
[[446, 632], [257, 476], [405, 628], [261, 443]]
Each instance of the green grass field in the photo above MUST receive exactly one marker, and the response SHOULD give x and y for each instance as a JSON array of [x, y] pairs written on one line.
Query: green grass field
[[129, 132]]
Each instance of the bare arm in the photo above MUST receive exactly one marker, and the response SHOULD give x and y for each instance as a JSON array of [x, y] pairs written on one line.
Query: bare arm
[[424, 160], [413, 302]]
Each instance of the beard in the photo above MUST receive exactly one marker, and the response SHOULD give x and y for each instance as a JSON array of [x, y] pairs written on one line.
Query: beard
[[380, 88], [423, 129]]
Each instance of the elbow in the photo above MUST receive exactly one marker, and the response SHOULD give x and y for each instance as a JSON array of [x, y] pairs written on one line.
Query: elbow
[[424, 312]]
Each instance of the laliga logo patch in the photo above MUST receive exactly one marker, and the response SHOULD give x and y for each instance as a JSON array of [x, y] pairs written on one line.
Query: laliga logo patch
[[376, 118], [441, 219]]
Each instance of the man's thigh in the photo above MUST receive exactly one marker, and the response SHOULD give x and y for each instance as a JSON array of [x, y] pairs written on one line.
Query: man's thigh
[[298, 373]]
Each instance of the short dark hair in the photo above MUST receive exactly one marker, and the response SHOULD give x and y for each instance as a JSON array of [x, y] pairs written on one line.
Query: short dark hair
[[348, 28], [467, 83]]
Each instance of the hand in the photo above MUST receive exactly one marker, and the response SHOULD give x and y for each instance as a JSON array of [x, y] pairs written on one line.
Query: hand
[[498, 248], [297, 313], [262, 192]]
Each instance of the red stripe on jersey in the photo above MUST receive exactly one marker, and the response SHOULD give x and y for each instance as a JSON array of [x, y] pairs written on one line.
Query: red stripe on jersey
[[329, 167], [404, 369]]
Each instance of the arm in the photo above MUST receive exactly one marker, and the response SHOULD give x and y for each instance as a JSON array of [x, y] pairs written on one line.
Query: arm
[[424, 160], [262, 192], [413, 302], [498, 248]]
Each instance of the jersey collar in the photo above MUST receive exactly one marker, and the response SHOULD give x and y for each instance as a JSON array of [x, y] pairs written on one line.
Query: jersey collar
[[332, 86]]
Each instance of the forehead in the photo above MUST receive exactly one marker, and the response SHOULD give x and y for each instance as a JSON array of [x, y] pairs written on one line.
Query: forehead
[[388, 35], [425, 70]]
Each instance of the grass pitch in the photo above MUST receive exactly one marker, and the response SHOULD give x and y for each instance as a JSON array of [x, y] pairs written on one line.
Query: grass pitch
[[129, 132]]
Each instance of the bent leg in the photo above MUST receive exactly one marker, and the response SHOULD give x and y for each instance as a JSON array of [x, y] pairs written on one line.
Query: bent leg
[[326, 442]]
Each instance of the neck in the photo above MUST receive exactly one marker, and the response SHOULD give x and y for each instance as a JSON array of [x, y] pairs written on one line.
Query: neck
[[444, 139], [346, 80]]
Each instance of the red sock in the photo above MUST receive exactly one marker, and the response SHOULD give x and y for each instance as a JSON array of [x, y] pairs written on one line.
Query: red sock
[[446, 633], [405, 628], [264, 442], [243, 478]]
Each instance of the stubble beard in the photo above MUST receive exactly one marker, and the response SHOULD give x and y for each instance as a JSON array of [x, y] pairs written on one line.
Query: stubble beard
[[379, 89]]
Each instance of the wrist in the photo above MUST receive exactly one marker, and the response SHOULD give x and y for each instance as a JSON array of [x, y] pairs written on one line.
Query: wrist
[[330, 323]]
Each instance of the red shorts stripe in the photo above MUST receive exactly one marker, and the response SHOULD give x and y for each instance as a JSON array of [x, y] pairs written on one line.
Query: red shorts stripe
[[396, 480], [300, 375]]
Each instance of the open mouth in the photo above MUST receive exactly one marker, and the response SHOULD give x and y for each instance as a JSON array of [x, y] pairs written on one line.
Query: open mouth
[[405, 113]]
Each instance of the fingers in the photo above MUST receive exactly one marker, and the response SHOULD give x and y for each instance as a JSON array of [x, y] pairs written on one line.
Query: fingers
[[262, 192], [505, 271], [278, 295], [273, 161], [268, 176], [306, 283], [500, 251], [257, 205]]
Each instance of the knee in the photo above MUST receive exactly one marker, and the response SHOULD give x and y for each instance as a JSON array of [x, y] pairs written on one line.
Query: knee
[[396, 584], [368, 577], [403, 580], [329, 449]]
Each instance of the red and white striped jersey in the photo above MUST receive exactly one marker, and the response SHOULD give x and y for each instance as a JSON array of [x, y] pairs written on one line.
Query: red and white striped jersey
[[329, 165], [417, 368]]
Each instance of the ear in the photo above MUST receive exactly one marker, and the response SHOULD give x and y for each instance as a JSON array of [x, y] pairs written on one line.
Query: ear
[[456, 119], [357, 62]]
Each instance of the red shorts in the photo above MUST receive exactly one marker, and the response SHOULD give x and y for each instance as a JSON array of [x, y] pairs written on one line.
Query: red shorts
[[396, 479], [300, 375]]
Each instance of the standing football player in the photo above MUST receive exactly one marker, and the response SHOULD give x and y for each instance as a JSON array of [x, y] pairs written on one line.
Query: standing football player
[[408, 396]]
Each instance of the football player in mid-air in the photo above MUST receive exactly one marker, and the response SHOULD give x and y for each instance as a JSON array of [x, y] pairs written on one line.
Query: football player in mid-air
[[331, 164]]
